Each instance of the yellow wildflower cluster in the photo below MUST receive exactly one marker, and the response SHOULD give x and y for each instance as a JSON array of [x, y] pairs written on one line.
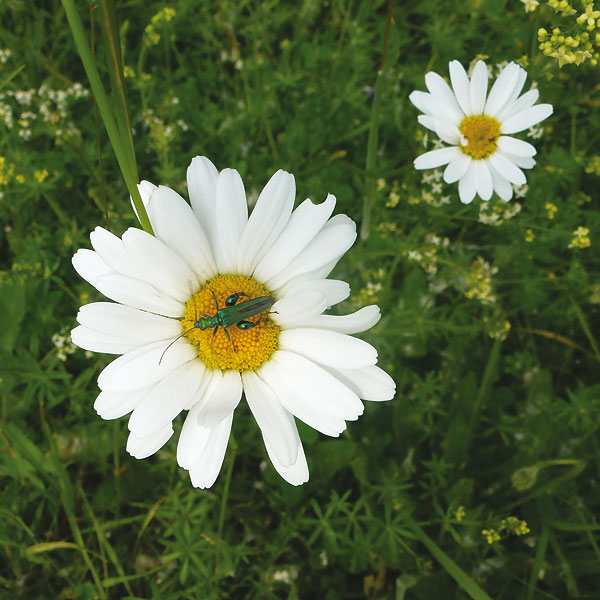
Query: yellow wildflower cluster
[[508, 526], [529, 236], [370, 293], [386, 227], [562, 6], [159, 19], [496, 326], [595, 293], [460, 513], [6, 171], [40, 175], [577, 43], [479, 281], [550, 210], [491, 535], [581, 238], [593, 165]]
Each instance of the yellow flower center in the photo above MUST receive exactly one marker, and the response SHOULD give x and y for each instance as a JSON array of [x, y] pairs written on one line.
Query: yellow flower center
[[233, 347], [481, 133]]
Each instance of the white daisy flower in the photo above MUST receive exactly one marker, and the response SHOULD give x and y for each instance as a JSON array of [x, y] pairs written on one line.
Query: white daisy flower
[[482, 157], [174, 292]]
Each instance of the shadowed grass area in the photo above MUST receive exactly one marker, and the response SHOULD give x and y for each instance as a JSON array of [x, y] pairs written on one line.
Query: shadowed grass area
[[479, 480]]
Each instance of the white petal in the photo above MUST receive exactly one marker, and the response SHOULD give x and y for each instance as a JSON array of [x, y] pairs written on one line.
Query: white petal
[[328, 348], [111, 250], [223, 400], [427, 121], [361, 320], [276, 423], [370, 383], [336, 237], [139, 294], [507, 169], [206, 470], [175, 224], [95, 341], [159, 265], [436, 107], [145, 188], [478, 87], [437, 158], [461, 86], [315, 384], [293, 310], [483, 179], [466, 186], [202, 178], [333, 290], [526, 101], [440, 89], [457, 167], [193, 437], [232, 216], [89, 265], [113, 405], [526, 118], [503, 89], [517, 89], [523, 162], [138, 326], [502, 186], [167, 399], [512, 145], [145, 447], [447, 132], [297, 472], [305, 408], [269, 216], [419, 99], [144, 366], [304, 224], [321, 272]]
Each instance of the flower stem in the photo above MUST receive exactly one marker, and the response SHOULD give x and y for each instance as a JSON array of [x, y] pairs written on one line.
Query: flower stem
[[233, 448], [123, 151], [373, 138]]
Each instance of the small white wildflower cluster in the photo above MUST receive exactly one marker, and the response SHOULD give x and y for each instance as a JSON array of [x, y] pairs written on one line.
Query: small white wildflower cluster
[[495, 213], [5, 54], [64, 345], [160, 133], [427, 254], [23, 108]]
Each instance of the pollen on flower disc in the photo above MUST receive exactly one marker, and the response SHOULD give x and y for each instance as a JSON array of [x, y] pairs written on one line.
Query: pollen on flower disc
[[481, 133], [245, 349]]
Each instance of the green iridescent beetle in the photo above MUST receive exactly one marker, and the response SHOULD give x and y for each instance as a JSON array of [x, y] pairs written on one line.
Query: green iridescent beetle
[[231, 314]]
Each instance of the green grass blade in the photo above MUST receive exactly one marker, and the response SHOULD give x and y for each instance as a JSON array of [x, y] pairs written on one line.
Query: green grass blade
[[119, 145], [467, 584]]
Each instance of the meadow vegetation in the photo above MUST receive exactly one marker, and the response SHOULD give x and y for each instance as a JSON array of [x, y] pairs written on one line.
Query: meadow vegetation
[[481, 478]]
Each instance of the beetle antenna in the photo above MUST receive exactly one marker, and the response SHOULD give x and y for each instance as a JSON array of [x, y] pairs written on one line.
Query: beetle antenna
[[177, 338]]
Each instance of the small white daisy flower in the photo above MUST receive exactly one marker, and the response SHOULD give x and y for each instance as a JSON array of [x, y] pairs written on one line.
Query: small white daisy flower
[[483, 158], [189, 343]]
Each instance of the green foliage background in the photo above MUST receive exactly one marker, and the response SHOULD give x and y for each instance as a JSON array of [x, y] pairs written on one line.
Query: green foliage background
[[490, 420]]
